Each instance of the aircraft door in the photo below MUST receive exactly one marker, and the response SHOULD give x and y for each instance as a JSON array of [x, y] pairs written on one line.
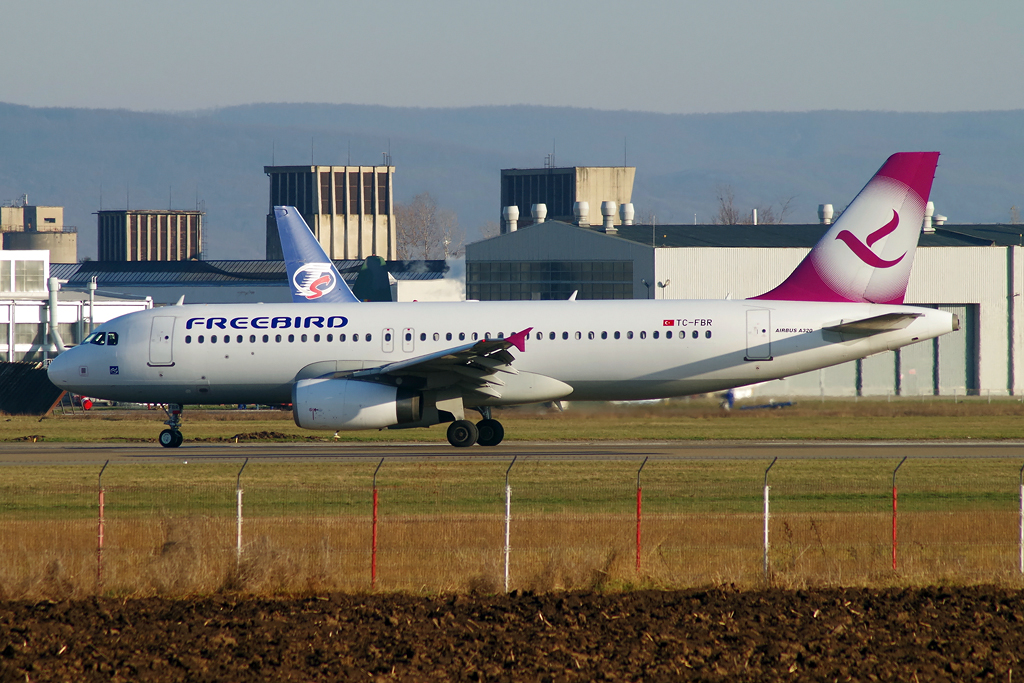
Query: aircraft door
[[408, 340], [388, 339], [161, 341], [759, 334]]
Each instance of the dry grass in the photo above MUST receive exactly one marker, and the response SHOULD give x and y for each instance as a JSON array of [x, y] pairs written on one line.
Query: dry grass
[[158, 556], [170, 527]]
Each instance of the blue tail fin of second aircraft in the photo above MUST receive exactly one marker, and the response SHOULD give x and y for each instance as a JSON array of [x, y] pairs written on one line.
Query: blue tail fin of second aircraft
[[311, 275]]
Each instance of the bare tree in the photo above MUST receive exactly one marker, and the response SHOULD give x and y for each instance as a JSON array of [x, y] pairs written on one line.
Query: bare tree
[[426, 231], [490, 229], [730, 214], [645, 217]]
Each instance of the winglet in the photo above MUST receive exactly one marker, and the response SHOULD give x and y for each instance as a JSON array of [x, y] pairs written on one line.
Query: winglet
[[311, 274], [518, 339]]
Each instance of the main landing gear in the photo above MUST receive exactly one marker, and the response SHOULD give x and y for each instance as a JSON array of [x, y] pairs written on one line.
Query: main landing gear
[[172, 438], [486, 432]]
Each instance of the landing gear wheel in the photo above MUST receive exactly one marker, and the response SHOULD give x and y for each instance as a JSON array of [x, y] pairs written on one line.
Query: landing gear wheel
[[491, 432], [171, 438], [462, 433]]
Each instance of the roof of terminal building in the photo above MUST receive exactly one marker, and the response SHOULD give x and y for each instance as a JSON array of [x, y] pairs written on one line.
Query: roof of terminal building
[[787, 235], [221, 272]]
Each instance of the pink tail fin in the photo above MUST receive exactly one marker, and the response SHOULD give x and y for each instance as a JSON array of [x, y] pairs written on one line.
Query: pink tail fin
[[867, 254]]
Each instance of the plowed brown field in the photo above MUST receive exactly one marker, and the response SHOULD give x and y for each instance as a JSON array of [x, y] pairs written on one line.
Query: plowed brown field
[[820, 634]]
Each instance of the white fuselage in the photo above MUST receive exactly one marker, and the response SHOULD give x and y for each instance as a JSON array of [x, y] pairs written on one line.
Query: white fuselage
[[604, 350]]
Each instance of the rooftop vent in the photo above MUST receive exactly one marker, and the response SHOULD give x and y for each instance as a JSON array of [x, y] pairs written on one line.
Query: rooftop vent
[[608, 210], [510, 214]]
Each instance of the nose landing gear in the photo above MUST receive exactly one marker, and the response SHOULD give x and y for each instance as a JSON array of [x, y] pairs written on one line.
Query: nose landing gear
[[172, 438]]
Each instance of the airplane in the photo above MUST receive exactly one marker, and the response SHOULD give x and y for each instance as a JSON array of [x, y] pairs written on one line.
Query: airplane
[[351, 365]]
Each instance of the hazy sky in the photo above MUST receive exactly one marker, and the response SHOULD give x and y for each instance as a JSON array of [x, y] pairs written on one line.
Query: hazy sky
[[652, 55]]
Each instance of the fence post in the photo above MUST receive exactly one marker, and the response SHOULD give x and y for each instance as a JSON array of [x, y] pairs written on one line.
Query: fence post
[[1022, 519], [373, 547], [238, 514], [894, 511], [767, 568], [99, 533], [508, 517], [639, 507]]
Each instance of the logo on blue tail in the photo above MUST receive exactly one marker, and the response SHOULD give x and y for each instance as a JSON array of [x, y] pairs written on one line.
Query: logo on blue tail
[[313, 280]]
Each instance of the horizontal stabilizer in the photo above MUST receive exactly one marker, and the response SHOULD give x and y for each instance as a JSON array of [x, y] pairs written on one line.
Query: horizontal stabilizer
[[874, 325]]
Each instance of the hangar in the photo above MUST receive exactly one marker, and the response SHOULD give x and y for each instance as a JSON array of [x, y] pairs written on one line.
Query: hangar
[[975, 271]]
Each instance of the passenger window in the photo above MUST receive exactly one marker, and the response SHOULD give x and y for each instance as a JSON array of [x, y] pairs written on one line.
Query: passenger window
[[590, 335], [501, 335], [277, 338], [316, 337], [462, 336], [239, 339], [708, 334], [448, 336], [252, 338], [188, 339], [656, 335], [643, 334], [474, 336], [423, 336], [437, 337], [604, 335], [682, 334], [551, 335], [408, 336], [579, 335], [616, 334], [200, 339], [330, 337], [111, 338], [387, 336], [213, 339], [303, 338], [266, 338], [565, 335], [629, 335], [540, 335], [695, 334], [355, 337], [341, 337], [369, 336], [668, 335], [291, 338]]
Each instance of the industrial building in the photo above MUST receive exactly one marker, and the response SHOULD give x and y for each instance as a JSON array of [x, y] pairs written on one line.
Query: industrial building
[[149, 235], [25, 308], [976, 271], [214, 282], [559, 190], [28, 227], [348, 208]]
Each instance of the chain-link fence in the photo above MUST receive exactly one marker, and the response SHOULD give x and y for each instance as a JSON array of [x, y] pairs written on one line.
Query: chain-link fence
[[282, 526]]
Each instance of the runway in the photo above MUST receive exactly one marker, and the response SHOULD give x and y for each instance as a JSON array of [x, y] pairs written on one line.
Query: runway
[[91, 453]]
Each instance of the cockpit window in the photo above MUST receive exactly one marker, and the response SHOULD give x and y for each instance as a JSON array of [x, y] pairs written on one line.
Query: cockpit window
[[99, 338], [111, 338]]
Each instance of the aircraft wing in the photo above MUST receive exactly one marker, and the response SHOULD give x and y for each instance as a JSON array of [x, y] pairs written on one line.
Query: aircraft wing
[[473, 367], [886, 322]]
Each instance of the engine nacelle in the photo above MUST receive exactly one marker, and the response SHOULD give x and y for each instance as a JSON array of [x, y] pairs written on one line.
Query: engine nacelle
[[339, 404]]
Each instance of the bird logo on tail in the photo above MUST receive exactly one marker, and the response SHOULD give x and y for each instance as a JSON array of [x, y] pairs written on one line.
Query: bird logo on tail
[[313, 280]]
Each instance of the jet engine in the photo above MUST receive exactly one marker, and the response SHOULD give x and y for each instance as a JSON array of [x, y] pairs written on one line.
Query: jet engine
[[338, 404]]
